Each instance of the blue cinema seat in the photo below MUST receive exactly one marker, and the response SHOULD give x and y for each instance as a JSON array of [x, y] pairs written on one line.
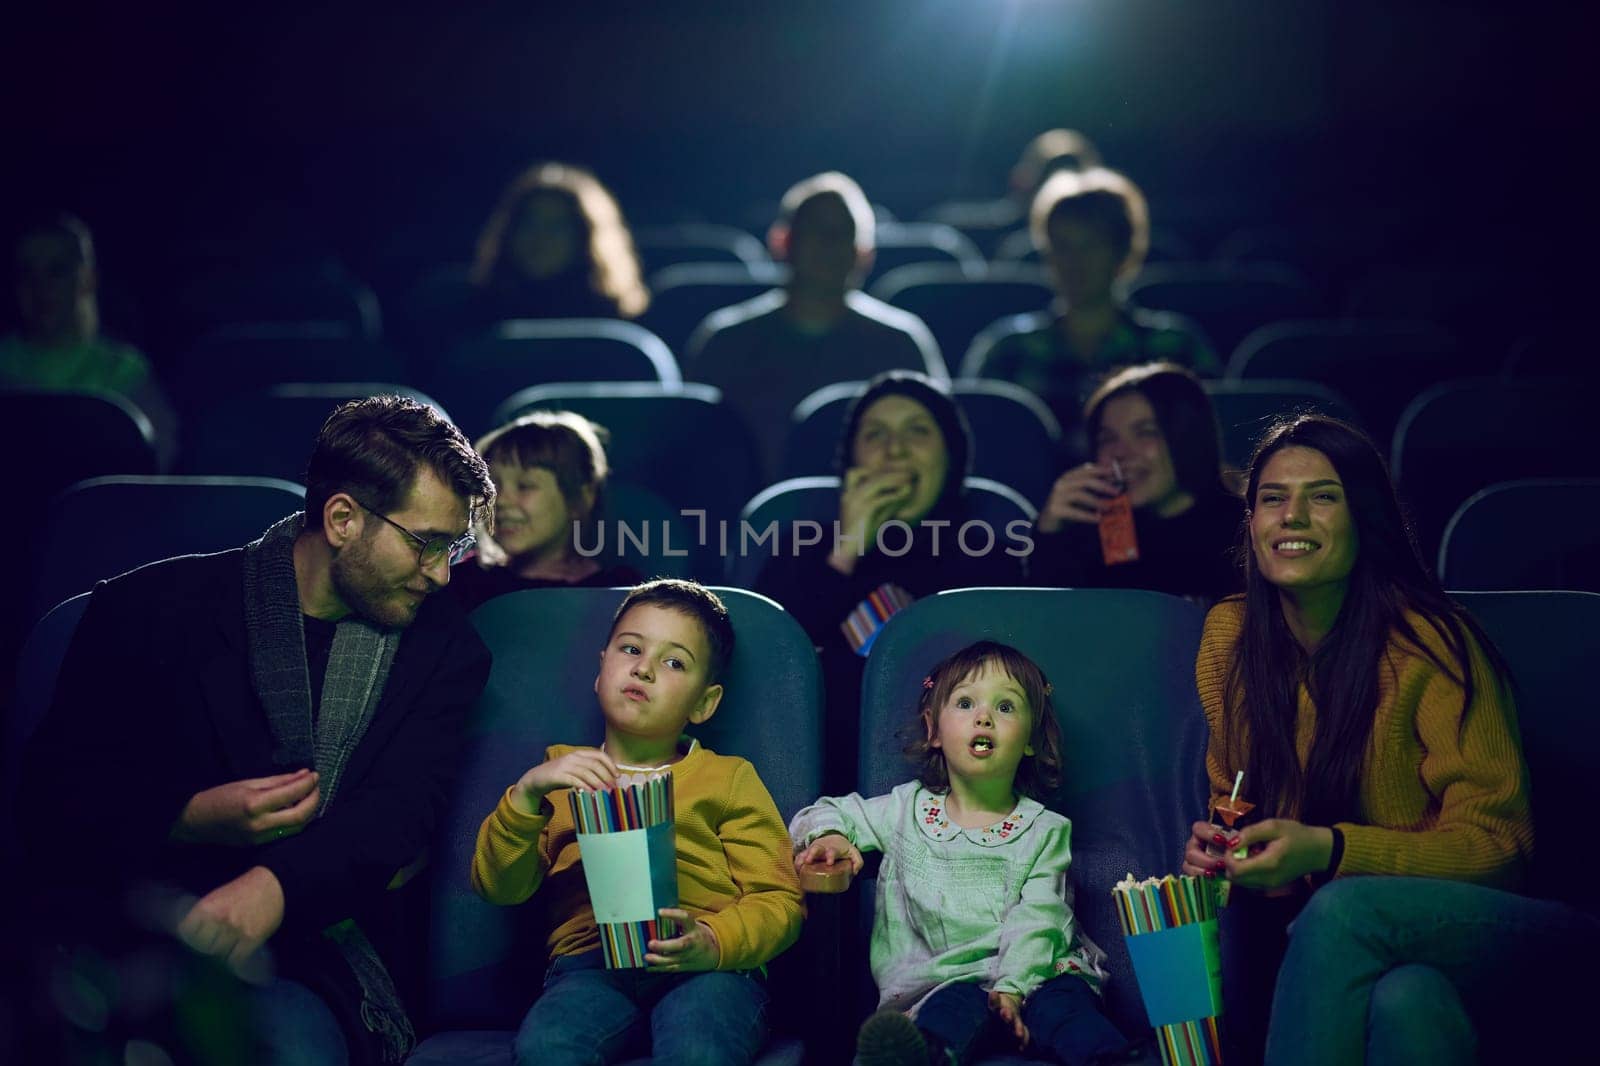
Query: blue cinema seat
[[154, 517], [1487, 544], [1134, 738], [1550, 639], [483, 370]]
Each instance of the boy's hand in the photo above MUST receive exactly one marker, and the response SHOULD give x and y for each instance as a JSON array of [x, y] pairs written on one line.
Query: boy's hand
[[697, 949], [830, 848], [588, 768], [1009, 1007]]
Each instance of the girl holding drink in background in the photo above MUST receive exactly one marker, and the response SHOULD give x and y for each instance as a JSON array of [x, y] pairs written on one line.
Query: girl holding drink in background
[[1157, 455]]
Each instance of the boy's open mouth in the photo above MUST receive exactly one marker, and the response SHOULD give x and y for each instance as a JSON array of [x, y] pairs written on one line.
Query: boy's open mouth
[[981, 745]]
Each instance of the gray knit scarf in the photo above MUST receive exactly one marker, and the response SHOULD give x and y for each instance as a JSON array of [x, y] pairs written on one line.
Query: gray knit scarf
[[358, 667]]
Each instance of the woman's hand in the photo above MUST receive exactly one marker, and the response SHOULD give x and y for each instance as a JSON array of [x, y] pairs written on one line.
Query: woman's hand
[[866, 500], [696, 950], [1281, 850], [1009, 1006], [1197, 861], [1079, 495], [830, 848]]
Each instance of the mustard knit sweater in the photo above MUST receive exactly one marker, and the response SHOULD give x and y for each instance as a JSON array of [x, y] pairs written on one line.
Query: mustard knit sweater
[[1442, 795], [735, 870]]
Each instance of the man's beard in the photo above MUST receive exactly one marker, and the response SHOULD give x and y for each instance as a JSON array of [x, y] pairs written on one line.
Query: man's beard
[[362, 589]]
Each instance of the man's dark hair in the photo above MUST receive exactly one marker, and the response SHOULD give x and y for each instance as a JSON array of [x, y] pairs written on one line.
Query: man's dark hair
[[697, 602], [373, 449]]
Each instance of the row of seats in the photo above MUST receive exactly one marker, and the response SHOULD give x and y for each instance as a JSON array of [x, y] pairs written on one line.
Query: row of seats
[[1130, 791], [1305, 270], [960, 302], [1378, 365], [1487, 544], [1453, 439]]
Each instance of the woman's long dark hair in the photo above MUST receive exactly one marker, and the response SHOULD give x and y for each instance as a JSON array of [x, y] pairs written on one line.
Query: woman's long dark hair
[[1184, 412], [1261, 702]]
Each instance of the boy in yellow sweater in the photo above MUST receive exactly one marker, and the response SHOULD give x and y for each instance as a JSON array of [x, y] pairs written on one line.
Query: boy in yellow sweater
[[661, 668]]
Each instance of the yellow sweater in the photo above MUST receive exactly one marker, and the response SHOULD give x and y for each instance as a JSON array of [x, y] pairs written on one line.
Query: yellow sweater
[[735, 870], [1441, 795]]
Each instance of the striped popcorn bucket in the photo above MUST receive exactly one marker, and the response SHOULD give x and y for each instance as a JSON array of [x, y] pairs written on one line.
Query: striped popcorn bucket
[[630, 862], [1170, 928]]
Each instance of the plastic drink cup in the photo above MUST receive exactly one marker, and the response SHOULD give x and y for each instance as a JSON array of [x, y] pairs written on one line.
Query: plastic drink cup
[[1119, 539], [1231, 810], [826, 878]]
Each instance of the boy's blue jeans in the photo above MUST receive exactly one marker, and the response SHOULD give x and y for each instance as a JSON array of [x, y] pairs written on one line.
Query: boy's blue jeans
[[1063, 1018], [1398, 969], [591, 1016]]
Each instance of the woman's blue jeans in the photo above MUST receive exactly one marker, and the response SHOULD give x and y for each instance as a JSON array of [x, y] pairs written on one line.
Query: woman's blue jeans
[[1407, 969]]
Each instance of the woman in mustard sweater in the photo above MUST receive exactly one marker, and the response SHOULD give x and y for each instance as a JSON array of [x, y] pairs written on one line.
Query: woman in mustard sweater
[[1372, 721]]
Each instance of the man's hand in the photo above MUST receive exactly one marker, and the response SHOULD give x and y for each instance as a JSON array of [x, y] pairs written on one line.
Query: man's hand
[[830, 848], [1009, 1006], [256, 810], [232, 921], [1281, 850], [588, 768], [697, 949]]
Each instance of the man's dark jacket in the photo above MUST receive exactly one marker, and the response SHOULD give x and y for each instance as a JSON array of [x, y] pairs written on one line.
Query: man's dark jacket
[[155, 704]]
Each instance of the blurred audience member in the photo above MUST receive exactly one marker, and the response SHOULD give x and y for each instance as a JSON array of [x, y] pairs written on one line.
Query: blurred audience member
[[60, 345], [549, 471], [1093, 229], [987, 220], [767, 354], [898, 535], [557, 247], [1154, 436]]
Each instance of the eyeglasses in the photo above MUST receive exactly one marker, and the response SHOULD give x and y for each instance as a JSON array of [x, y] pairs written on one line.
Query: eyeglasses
[[431, 549]]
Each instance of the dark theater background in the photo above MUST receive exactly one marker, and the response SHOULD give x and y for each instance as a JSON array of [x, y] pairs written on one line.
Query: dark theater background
[[251, 171], [1445, 133]]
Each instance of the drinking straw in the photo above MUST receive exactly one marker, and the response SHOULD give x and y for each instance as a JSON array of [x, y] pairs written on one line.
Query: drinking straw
[[1237, 780]]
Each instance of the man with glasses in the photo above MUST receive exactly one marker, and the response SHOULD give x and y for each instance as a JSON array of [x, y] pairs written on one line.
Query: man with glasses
[[260, 741]]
